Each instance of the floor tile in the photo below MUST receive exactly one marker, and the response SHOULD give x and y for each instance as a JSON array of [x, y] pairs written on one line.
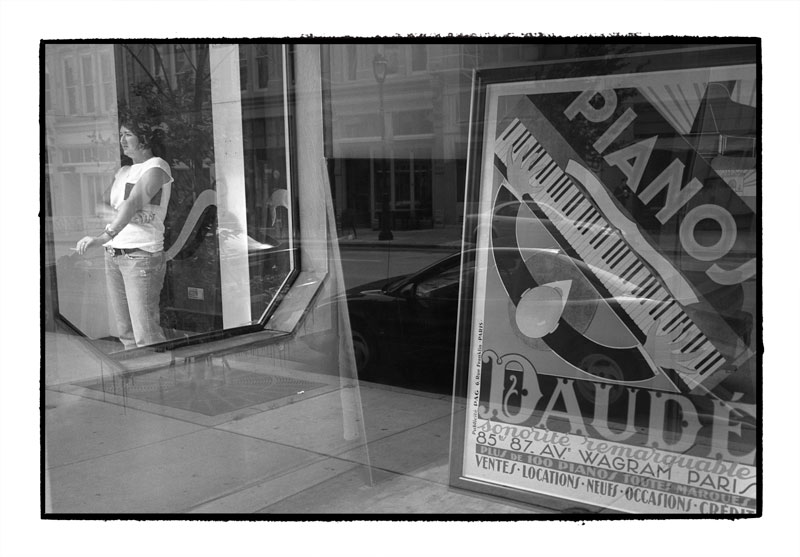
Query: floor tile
[[66, 359], [78, 429], [386, 412], [169, 412], [133, 456], [389, 493], [70, 358], [264, 494], [171, 476], [226, 390], [412, 451], [318, 423], [314, 424]]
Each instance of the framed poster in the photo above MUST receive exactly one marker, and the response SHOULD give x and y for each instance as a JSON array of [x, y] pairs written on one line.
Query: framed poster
[[609, 338]]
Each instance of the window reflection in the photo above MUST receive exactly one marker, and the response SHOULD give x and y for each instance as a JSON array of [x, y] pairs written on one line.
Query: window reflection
[[240, 198], [230, 238]]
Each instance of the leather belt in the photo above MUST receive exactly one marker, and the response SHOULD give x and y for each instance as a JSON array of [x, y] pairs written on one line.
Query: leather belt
[[113, 252]]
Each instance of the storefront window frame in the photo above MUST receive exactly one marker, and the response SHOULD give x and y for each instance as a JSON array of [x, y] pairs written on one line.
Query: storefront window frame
[[204, 343]]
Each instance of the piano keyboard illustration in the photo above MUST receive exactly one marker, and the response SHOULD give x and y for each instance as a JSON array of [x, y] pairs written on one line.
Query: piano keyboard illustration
[[640, 293]]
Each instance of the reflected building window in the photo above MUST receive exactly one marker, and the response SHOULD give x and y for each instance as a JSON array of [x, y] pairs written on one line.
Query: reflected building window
[[70, 86], [48, 102], [419, 57], [88, 84], [263, 65], [107, 82], [392, 54], [489, 54], [352, 62], [243, 73]]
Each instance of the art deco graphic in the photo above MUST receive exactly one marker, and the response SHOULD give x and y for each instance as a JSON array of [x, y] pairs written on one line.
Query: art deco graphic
[[623, 270], [616, 285]]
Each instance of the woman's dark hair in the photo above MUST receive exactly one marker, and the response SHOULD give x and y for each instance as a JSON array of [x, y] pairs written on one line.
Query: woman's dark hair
[[149, 135]]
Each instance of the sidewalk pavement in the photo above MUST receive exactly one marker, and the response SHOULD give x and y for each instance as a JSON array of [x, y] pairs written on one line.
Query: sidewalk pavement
[[446, 238], [151, 450], [147, 452]]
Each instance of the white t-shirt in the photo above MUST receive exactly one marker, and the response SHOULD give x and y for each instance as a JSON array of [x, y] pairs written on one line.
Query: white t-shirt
[[146, 236]]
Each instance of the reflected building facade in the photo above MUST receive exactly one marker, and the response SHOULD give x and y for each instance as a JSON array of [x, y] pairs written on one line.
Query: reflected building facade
[[426, 118]]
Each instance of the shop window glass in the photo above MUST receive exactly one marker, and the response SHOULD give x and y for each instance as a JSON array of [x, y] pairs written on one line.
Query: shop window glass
[[256, 328], [182, 58], [412, 122], [714, 134], [362, 125], [410, 234], [228, 225], [530, 52], [351, 57], [402, 184], [263, 65], [392, 52], [243, 73], [88, 83], [489, 54], [443, 284], [107, 74], [511, 52], [422, 186], [419, 57], [48, 102], [70, 85], [164, 67]]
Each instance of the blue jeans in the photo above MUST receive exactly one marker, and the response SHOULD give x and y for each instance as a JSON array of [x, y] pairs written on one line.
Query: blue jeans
[[134, 282]]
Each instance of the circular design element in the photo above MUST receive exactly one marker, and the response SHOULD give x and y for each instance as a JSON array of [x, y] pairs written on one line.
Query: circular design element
[[539, 310], [725, 241], [601, 367], [581, 304]]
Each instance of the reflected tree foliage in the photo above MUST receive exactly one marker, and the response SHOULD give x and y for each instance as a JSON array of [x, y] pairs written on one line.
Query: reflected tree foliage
[[167, 87]]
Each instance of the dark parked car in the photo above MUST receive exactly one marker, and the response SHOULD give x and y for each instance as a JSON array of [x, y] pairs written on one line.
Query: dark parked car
[[407, 324], [405, 327]]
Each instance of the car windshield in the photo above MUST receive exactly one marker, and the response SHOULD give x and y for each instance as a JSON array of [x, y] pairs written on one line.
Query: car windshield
[[394, 284], [443, 265]]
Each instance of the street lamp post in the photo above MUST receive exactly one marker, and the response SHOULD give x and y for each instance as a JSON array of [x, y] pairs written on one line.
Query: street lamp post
[[379, 64]]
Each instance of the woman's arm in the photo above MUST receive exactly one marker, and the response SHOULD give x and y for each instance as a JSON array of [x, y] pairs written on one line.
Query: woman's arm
[[103, 206], [142, 192]]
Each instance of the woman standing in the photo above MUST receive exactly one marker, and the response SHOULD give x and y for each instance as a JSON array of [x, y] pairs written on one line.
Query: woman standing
[[134, 239]]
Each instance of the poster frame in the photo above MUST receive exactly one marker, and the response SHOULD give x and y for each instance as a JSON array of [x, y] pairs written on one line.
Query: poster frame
[[691, 56]]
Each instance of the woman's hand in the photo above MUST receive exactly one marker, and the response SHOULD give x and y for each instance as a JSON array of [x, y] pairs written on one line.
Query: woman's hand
[[85, 243]]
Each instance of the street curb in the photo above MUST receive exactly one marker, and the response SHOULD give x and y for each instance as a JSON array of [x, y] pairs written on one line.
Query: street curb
[[389, 244]]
